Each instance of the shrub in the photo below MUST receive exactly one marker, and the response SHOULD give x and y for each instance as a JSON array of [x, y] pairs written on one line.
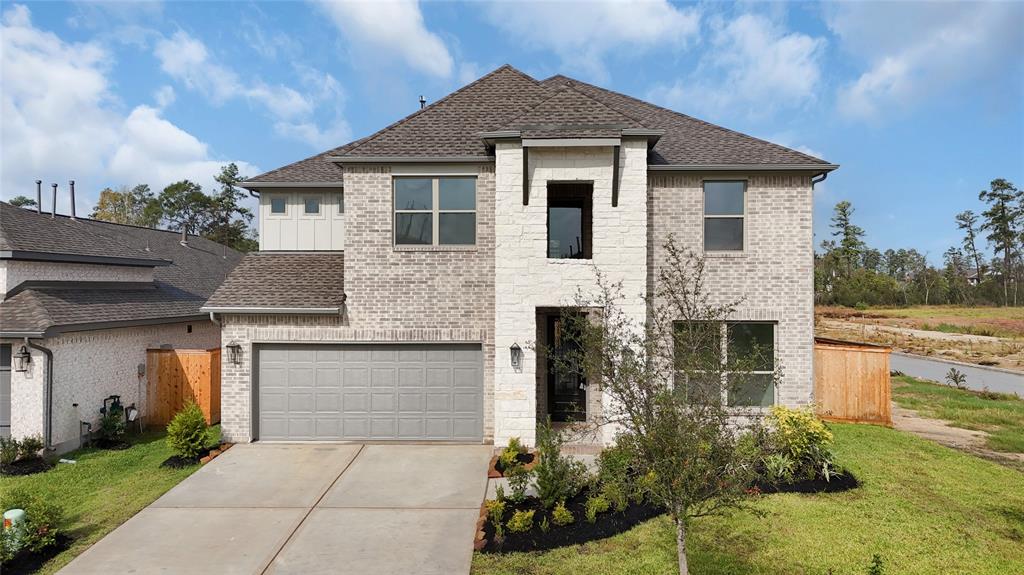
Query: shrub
[[499, 492], [518, 478], [596, 504], [30, 447], [876, 567], [521, 521], [509, 456], [495, 512], [956, 378], [8, 450], [40, 527], [187, 433], [556, 477], [615, 493], [560, 515], [805, 440], [778, 468], [112, 427]]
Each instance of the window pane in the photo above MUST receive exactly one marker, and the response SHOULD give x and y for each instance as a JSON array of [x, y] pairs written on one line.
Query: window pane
[[723, 234], [277, 205], [414, 228], [457, 229], [414, 194], [565, 232], [754, 389], [698, 346], [723, 198], [700, 389], [312, 205], [753, 345], [457, 193], [341, 203]]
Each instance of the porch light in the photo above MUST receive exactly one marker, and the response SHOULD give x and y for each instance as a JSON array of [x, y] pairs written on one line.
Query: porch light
[[22, 359], [235, 353], [517, 356]]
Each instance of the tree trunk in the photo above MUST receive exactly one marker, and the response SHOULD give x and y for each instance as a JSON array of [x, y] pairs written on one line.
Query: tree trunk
[[684, 569]]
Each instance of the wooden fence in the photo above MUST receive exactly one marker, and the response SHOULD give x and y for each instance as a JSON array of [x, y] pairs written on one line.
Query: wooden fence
[[174, 376], [851, 381]]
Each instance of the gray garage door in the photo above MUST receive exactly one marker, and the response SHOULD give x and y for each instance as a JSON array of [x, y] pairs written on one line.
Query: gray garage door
[[370, 392]]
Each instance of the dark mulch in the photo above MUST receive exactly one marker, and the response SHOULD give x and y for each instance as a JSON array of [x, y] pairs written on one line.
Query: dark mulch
[[112, 444], [579, 531], [26, 467], [843, 482], [177, 462], [29, 562], [522, 458]]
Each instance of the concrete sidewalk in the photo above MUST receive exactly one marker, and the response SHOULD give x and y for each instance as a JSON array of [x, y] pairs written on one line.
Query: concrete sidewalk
[[308, 508]]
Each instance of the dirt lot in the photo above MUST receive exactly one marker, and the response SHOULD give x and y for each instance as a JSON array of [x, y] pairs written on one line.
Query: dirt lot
[[984, 336]]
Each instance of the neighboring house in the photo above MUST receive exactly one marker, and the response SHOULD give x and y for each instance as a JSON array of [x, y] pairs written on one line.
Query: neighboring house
[[85, 299], [399, 273]]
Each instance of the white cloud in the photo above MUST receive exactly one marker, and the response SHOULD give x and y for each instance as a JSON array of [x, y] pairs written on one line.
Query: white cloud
[[392, 29], [61, 120], [930, 48], [164, 96], [752, 66], [583, 34]]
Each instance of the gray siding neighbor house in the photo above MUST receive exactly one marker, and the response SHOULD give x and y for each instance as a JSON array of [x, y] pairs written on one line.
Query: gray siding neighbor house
[[397, 272], [80, 302]]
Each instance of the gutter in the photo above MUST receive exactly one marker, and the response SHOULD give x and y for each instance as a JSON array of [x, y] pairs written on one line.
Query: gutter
[[274, 310], [254, 186], [48, 416]]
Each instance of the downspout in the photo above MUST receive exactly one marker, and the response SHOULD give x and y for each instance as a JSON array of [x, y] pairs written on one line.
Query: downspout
[[818, 179], [213, 318], [48, 424]]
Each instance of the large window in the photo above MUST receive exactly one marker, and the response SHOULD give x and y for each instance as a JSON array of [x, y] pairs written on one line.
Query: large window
[[570, 220], [435, 211], [724, 210], [746, 363]]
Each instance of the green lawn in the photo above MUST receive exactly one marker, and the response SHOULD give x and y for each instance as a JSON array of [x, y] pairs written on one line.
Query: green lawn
[[925, 509], [1002, 418], [105, 488]]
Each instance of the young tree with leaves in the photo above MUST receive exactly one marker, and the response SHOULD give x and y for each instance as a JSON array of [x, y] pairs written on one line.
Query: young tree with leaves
[[22, 202], [1003, 222], [136, 206]]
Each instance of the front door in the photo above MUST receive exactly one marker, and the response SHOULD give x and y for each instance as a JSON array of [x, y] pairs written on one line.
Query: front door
[[567, 392]]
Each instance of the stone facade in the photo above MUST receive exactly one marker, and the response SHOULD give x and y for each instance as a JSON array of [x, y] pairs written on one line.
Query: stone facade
[[394, 294], [89, 366], [14, 272]]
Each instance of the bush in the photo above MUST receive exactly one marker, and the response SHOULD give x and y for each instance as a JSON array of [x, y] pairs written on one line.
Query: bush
[[521, 521], [556, 477], [596, 504], [40, 528], [30, 447], [495, 512], [8, 450], [518, 478], [561, 515], [112, 428], [778, 469], [805, 440], [615, 493], [187, 433]]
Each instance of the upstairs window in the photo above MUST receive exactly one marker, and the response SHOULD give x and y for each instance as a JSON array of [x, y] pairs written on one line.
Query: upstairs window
[[341, 203], [724, 215], [570, 207], [278, 205], [435, 211], [311, 205]]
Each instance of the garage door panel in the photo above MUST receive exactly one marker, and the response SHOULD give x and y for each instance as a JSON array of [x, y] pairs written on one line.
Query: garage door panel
[[370, 391]]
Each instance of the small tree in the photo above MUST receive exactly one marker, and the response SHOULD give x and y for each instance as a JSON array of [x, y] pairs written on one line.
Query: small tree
[[669, 382], [187, 433]]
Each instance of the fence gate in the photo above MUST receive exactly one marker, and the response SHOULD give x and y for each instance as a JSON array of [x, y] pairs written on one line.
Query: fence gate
[[851, 381], [175, 376]]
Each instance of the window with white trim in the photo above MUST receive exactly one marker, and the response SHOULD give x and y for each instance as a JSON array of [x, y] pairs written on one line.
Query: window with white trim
[[435, 211], [746, 363], [278, 205], [311, 205], [724, 215]]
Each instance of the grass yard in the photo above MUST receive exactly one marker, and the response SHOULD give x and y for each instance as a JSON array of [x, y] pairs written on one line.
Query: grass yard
[[105, 488], [925, 509], [1002, 418]]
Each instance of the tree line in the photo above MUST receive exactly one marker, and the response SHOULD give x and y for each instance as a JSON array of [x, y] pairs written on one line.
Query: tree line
[[847, 271], [181, 206]]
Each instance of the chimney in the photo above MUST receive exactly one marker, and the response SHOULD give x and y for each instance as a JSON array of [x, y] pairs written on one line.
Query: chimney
[[39, 196], [423, 101], [71, 184], [53, 207]]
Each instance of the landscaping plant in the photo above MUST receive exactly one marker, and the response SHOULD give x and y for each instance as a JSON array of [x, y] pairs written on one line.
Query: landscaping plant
[[556, 477], [112, 429], [804, 443], [37, 531], [956, 378], [30, 447], [518, 479], [521, 521], [561, 516], [9, 450], [188, 433], [596, 504]]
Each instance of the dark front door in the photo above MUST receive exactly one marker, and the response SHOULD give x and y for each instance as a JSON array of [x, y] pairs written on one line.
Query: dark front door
[[567, 391]]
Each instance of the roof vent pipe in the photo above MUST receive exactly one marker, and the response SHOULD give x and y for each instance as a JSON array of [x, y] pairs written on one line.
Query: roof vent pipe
[[184, 235], [71, 184], [53, 207], [423, 101], [39, 196]]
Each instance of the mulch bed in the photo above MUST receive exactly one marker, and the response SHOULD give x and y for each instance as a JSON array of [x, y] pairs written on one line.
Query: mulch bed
[[844, 482], [27, 562], [113, 445], [579, 531], [177, 462], [26, 467], [496, 469]]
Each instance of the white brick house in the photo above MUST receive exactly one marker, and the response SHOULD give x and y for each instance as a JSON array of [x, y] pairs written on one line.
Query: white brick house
[[403, 268]]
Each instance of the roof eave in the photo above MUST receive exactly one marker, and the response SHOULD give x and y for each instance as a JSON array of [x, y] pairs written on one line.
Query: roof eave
[[80, 258], [255, 185], [816, 168], [249, 310], [411, 159]]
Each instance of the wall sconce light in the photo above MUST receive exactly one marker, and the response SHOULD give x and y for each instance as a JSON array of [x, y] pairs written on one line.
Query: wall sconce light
[[235, 353], [22, 359], [517, 356]]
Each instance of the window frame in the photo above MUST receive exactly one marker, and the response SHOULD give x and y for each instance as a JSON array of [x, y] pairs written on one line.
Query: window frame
[[564, 200], [318, 215], [435, 212], [705, 216], [723, 339], [270, 206]]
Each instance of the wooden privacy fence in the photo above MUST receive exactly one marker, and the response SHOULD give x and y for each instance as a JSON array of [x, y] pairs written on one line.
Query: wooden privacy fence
[[851, 381], [174, 376]]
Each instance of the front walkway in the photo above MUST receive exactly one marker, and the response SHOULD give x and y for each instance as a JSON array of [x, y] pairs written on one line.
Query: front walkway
[[308, 508]]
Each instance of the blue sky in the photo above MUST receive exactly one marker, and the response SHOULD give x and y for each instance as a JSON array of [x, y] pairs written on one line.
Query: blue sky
[[921, 103]]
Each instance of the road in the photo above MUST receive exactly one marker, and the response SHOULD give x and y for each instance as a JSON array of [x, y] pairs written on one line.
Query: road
[[978, 377]]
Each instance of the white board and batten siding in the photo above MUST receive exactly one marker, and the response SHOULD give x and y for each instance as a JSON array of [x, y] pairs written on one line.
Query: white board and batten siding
[[296, 230]]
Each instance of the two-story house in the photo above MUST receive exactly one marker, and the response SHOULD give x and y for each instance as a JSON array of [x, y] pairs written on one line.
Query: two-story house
[[404, 278]]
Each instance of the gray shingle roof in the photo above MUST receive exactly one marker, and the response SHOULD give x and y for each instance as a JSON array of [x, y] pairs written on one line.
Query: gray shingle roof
[[451, 127], [186, 277], [297, 280]]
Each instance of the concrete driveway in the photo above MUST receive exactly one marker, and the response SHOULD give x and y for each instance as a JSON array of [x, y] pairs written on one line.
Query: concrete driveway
[[308, 508]]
